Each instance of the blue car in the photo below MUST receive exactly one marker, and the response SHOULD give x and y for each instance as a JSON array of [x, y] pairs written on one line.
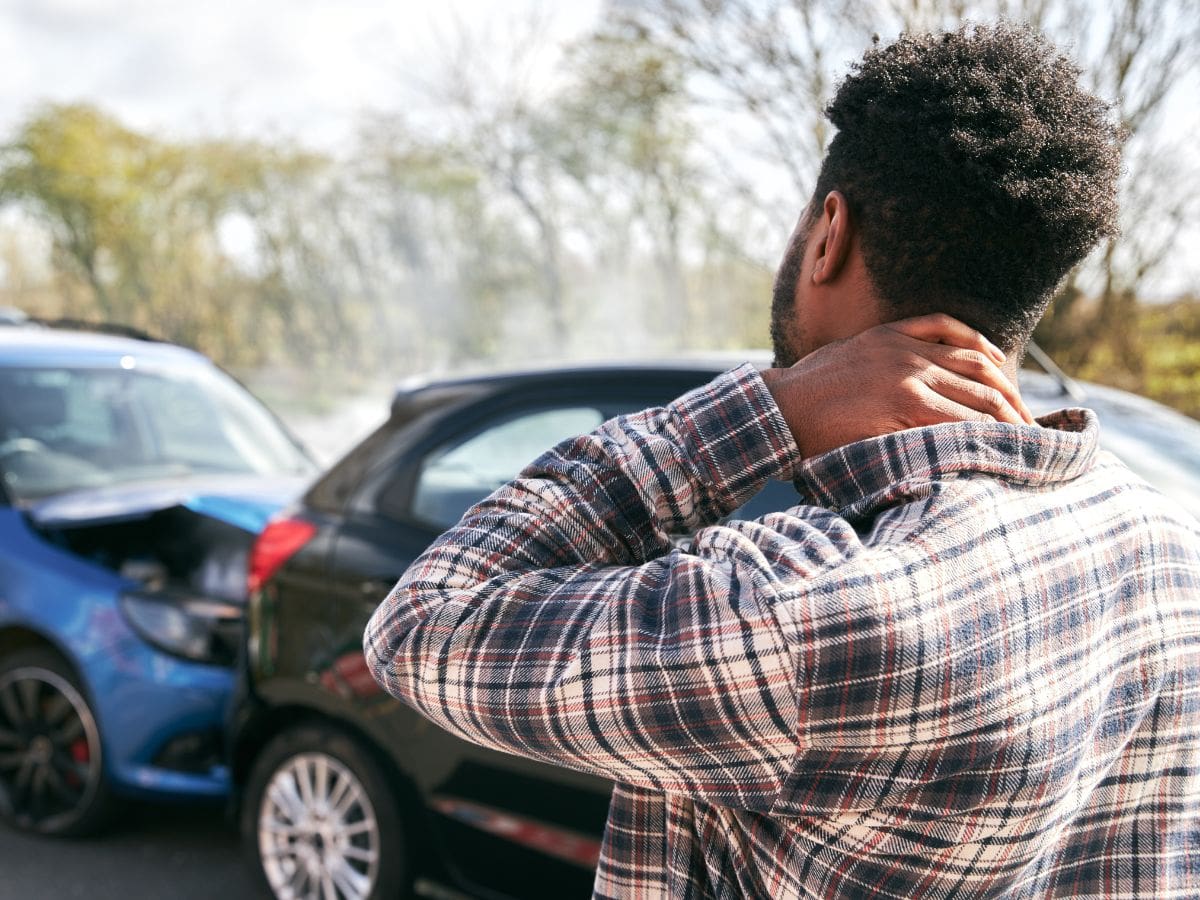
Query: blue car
[[134, 477]]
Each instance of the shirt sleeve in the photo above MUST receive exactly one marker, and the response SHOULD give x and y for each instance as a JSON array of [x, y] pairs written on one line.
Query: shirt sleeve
[[555, 621]]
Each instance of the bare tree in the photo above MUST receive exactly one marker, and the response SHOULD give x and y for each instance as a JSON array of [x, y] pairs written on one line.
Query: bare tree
[[492, 118], [763, 72], [1139, 53]]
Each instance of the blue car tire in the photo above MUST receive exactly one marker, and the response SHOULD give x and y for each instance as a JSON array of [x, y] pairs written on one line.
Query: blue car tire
[[51, 765]]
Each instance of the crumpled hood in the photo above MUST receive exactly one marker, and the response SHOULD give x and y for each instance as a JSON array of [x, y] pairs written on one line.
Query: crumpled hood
[[244, 501]]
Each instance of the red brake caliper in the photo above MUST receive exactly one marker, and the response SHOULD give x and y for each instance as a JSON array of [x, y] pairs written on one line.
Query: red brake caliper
[[81, 754]]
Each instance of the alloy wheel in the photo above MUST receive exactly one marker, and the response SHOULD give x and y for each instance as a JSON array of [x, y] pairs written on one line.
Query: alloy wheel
[[318, 835], [49, 750]]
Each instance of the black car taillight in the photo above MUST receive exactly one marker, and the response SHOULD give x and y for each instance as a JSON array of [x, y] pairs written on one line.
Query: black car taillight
[[278, 542]]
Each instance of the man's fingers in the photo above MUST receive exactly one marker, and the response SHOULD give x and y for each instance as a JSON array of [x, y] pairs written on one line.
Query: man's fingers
[[955, 401], [939, 328], [985, 403], [975, 366], [960, 348]]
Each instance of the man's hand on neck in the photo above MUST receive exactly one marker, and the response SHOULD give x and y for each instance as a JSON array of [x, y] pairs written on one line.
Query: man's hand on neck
[[906, 374]]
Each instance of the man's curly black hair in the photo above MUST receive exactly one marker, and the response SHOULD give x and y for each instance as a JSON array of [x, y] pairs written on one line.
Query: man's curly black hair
[[979, 172]]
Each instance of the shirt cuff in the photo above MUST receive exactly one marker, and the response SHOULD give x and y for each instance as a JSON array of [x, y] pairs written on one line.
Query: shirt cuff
[[738, 435]]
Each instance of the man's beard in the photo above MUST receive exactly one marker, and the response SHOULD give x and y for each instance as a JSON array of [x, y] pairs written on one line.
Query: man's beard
[[783, 306]]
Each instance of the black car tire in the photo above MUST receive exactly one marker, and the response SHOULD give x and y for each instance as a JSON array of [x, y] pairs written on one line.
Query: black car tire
[[51, 764], [349, 767]]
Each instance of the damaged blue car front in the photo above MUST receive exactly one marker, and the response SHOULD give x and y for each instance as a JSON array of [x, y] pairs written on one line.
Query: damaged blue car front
[[134, 476]]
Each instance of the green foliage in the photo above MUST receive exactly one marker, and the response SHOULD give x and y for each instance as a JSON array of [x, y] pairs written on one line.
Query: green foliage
[[136, 221], [1170, 337], [1166, 366]]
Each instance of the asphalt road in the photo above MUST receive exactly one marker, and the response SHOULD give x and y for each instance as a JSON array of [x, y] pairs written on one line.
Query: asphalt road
[[149, 852]]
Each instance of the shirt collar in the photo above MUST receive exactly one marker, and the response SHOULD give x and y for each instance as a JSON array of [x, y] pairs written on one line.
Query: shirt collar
[[860, 478]]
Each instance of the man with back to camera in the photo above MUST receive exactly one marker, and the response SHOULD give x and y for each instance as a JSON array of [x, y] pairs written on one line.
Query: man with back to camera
[[968, 664]]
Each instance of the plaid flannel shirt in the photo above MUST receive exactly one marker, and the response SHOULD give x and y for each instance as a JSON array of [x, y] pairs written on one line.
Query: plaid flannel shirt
[[968, 665]]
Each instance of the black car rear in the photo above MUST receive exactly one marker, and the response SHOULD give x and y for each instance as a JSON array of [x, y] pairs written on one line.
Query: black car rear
[[432, 809]]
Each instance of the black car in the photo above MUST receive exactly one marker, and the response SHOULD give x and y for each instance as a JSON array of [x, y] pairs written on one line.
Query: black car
[[408, 802], [345, 792]]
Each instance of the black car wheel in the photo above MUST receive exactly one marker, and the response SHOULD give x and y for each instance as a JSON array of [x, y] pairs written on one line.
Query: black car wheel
[[51, 773], [321, 821]]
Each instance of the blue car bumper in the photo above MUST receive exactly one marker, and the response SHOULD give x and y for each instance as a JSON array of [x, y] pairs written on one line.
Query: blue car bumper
[[162, 721]]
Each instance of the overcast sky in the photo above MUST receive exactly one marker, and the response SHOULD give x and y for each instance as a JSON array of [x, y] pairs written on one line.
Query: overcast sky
[[296, 68]]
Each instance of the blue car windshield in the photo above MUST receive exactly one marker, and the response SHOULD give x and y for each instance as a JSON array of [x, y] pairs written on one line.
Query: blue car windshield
[[66, 428]]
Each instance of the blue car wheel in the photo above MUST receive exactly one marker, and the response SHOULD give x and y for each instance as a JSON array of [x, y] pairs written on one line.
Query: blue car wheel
[[51, 769]]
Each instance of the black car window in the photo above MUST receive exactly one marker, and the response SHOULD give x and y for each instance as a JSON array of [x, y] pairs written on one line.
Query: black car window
[[467, 469]]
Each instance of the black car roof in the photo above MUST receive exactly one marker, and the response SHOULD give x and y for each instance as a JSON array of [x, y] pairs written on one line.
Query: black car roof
[[683, 365], [435, 390]]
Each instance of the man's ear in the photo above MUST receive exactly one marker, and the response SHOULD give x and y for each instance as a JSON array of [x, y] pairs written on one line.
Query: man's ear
[[833, 249]]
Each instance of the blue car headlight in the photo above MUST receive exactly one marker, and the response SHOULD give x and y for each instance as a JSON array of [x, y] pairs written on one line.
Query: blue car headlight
[[190, 627]]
